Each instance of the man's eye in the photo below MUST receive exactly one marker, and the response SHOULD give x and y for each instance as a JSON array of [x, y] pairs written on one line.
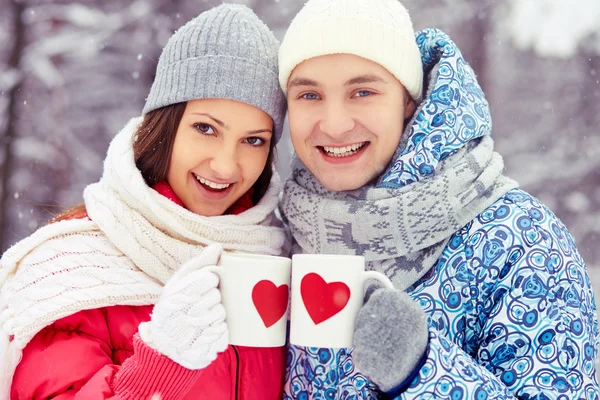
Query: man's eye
[[310, 96], [363, 93]]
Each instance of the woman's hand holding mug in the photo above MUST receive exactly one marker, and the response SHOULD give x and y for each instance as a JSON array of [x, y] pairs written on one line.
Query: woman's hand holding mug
[[188, 321]]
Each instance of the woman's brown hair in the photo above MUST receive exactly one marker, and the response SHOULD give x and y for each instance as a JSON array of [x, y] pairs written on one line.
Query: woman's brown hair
[[152, 149]]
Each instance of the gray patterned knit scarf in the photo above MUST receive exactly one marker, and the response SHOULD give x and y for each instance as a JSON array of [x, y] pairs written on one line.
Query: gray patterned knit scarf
[[401, 232]]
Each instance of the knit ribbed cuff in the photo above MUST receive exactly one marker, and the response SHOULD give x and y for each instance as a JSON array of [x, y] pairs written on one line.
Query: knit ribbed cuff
[[148, 373]]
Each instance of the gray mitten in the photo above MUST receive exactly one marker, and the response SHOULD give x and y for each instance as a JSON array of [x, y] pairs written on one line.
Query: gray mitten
[[390, 338]]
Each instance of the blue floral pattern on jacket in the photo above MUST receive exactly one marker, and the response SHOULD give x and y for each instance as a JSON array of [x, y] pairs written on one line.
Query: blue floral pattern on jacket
[[454, 112], [511, 313], [511, 309]]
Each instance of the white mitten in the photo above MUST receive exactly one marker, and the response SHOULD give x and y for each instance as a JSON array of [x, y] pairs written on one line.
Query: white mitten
[[188, 321]]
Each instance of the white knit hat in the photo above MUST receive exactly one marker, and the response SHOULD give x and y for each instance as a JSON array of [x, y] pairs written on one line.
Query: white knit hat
[[378, 30]]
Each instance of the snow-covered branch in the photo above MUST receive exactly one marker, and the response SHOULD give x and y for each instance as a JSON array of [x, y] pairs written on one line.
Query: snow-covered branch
[[555, 28]]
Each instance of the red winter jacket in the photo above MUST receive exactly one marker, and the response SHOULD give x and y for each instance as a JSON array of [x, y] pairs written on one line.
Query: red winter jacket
[[96, 354]]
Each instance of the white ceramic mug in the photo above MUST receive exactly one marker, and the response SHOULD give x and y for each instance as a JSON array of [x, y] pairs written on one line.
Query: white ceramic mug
[[327, 293], [254, 291]]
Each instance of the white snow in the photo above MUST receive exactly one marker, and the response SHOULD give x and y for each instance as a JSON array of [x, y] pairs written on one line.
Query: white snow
[[555, 28], [9, 78], [577, 202]]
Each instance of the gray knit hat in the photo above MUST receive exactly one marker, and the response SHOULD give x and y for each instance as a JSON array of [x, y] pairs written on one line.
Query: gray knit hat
[[226, 52]]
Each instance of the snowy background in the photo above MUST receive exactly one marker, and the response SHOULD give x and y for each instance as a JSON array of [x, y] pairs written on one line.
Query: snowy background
[[72, 74]]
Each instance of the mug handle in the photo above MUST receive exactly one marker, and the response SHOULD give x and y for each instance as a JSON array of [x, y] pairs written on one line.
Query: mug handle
[[378, 276]]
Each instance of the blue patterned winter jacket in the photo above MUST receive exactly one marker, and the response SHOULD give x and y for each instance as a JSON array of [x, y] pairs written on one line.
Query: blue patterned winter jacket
[[511, 309]]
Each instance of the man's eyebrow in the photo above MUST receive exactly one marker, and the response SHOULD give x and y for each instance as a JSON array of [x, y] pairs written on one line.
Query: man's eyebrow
[[300, 81], [365, 79], [218, 121]]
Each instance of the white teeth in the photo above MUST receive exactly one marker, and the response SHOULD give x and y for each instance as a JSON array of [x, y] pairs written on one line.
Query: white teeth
[[213, 185], [343, 151]]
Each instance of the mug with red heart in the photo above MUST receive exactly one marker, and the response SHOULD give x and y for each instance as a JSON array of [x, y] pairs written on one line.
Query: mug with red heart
[[327, 293], [254, 291]]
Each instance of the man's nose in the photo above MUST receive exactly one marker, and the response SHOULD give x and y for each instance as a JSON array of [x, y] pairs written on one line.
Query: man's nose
[[336, 121]]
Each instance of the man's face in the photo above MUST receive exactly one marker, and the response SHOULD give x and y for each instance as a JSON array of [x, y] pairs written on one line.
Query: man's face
[[346, 117]]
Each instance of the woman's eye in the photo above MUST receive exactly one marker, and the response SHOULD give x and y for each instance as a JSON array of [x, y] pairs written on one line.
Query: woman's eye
[[206, 129], [310, 96], [255, 141], [363, 93]]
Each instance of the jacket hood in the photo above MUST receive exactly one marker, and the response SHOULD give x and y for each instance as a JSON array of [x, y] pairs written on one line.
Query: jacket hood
[[454, 111]]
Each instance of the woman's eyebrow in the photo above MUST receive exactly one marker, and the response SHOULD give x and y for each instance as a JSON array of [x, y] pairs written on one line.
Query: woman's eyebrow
[[256, 131], [218, 121]]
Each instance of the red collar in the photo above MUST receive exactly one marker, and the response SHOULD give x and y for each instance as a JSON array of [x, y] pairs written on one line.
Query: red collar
[[242, 204], [165, 189]]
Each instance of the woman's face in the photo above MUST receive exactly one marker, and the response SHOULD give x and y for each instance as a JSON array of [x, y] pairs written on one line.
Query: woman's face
[[221, 148]]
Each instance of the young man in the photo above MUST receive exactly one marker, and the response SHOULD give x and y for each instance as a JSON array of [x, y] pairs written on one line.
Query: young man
[[396, 163]]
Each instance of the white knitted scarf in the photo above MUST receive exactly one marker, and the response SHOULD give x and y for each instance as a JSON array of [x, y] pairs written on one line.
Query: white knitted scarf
[[135, 240]]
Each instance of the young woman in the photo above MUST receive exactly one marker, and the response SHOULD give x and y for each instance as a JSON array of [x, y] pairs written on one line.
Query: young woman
[[110, 300]]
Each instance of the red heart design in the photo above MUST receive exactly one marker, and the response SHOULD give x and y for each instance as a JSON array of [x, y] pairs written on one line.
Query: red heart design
[[323, 300], [270, 301]]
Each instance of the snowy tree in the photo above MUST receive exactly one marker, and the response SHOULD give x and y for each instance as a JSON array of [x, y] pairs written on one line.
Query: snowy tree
[[9, 87], [555, 28], [553, 108], [85, 70]]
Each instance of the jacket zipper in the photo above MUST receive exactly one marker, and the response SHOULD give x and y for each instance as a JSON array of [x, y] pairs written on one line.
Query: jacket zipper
[[237, 372]]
